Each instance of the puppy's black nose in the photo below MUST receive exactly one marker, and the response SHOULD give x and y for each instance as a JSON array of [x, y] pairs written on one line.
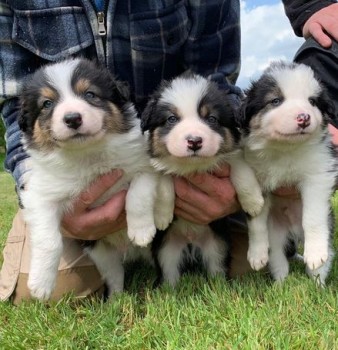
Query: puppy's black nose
[[73, 120], [303, 120], [194, 142]]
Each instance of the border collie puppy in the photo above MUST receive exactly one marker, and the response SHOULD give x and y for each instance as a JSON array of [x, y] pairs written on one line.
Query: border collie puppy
[[284, 121], [192, 129], [78, 123]]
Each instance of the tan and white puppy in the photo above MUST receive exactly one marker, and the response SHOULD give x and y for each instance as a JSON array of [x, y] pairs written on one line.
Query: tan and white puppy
[[192, 129], [78, 123], [284, 121]]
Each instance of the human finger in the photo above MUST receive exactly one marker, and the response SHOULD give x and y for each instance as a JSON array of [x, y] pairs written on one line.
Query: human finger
[[202, 206], [201, 220], [208, 211], [188, 192], [317, 32], [96, 190], [97, 222], [107, 212], [211, 185]]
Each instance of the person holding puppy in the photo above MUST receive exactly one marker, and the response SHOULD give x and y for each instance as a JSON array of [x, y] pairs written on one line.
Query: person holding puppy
[[141, 43]]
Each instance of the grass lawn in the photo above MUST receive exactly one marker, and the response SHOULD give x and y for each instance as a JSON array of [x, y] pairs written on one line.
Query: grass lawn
[[250, 313]]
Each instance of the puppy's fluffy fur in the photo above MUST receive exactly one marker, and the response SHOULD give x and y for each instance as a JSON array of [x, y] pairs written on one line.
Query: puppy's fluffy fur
[[284, 119], [192, 130], [78, 124]]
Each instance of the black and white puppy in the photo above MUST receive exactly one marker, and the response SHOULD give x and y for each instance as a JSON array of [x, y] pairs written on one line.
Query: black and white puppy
[[192, 129], [284, 120], [78, 123]]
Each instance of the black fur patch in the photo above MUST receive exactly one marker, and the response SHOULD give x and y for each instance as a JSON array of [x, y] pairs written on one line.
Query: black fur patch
[[31, 101]]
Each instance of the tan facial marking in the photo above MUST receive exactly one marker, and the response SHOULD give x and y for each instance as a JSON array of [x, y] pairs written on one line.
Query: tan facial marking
[[157, 145], [48, 93], [229, 142], [41, 137], [81, 86], [255, 122], [204, 111], [114, 122]]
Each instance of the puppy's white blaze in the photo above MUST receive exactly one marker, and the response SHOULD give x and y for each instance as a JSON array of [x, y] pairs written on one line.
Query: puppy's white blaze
[[177, 144], [92, 118], [297, 83], [185, 95], [60, 74]]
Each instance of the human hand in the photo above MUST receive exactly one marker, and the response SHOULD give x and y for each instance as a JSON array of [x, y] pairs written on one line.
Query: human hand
[[334, 133], [91, 224], [204, 198], [323, 26]]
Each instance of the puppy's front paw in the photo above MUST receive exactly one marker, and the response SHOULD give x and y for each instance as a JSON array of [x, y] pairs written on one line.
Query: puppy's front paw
[[41, 288], [142, 235], [315, 255], [258, 256], [252, 204]]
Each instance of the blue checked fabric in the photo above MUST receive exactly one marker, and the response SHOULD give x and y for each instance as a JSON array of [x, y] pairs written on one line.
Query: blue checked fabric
[[145, 41]]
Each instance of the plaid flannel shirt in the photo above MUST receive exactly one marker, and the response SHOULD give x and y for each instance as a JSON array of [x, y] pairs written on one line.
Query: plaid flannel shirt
[[142, 42]]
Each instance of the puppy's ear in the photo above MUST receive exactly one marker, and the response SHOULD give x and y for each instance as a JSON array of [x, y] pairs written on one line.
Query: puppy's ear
[[26, 121], [148, 113], [149, 117], [22, 121], [23, 116], [241, 116], [120, 91]]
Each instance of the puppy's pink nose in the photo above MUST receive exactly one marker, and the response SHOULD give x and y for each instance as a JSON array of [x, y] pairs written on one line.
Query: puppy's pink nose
[[73, 120], [194, 142], [303, 120]]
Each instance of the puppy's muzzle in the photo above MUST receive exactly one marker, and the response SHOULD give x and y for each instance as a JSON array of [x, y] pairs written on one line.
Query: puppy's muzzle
[[73, 120], [303, 120]]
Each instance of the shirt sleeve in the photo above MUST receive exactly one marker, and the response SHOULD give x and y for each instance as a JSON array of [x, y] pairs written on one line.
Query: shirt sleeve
[[213, 45], [15, 63], [299, 11], [16, 161]]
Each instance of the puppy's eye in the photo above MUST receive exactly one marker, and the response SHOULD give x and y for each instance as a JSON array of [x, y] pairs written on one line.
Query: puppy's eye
[[90, 95], [47, 104], [276, 102], [211, 119], [312, 101], [172, 119]]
